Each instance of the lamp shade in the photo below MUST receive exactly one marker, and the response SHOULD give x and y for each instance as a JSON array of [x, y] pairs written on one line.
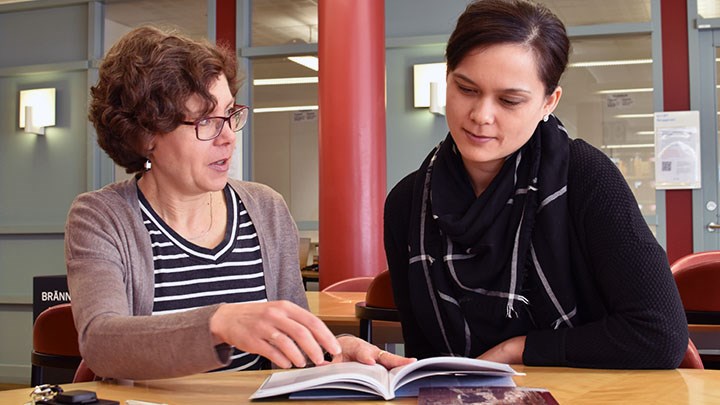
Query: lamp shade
[[423, 75], [37, 109]]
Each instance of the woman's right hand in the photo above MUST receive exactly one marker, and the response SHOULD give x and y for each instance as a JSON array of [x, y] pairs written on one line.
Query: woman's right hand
[[281, 331]]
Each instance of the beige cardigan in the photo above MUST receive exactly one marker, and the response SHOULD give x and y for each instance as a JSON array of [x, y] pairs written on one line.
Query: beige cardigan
[[110, 277]]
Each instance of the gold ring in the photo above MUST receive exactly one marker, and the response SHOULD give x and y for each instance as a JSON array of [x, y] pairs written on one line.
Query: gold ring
[[382, 352], [274, 336]]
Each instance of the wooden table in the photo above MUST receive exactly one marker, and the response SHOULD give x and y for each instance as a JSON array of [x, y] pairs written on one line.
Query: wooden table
[[568, 386], [335, 308]]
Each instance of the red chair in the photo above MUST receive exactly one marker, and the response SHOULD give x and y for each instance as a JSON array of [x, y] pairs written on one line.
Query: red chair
[[379, 305], [692, 357], [697, 277], [359, 284], [55, 342], [83, 373]]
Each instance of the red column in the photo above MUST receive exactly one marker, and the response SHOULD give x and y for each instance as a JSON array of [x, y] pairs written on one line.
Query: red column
[[676, 97], [351, 48], [225, 23]]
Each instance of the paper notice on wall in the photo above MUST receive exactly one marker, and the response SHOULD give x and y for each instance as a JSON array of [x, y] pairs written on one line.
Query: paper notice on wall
[[619, 101], [677, 150], [302, 116]]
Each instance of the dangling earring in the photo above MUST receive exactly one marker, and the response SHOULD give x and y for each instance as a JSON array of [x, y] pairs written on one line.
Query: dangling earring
[[546, 117], [147, 165]]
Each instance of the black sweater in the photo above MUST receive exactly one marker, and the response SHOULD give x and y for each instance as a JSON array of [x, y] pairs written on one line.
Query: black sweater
[[629, 308]]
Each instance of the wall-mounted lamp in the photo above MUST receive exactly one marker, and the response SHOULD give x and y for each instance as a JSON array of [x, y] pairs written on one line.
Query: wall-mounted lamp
[[429, 86], [37, 110]]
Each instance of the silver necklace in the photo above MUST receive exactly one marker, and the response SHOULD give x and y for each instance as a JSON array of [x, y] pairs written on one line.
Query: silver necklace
[[202, 235]]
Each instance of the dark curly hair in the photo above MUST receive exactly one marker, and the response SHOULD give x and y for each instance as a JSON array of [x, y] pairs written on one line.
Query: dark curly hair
[[145, 81], [492, 22]]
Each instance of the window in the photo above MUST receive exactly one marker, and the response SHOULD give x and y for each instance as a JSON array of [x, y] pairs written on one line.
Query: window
[[608, 102]]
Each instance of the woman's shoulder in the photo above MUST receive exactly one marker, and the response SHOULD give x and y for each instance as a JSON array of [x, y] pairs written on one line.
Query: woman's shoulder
[[400, 196], [588, 165], [112, 195], [596, 185], [584, 154], [397, 204], [107, 210]]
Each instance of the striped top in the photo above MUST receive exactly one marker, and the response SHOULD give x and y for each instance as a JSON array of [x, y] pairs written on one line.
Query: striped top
[[188, 276]]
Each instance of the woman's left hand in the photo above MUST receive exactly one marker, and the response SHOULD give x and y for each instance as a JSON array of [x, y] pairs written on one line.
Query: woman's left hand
[[508, 352], [356, 349]]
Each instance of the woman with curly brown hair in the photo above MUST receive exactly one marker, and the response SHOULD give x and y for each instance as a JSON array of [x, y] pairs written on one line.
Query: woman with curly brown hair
[[180, 269]]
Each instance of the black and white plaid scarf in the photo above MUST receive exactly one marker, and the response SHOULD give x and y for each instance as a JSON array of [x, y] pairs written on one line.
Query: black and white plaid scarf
[[484, 269]]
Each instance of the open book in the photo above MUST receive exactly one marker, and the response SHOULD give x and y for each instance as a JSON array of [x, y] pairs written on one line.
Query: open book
[[340, 380]]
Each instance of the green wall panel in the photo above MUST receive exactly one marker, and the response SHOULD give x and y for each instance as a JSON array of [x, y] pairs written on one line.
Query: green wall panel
[[47, 45], [44, 35], [16, 344], [25, 256], [40, 175]]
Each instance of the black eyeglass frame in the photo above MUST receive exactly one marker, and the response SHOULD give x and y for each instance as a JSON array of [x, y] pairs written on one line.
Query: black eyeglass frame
[[237, 109]]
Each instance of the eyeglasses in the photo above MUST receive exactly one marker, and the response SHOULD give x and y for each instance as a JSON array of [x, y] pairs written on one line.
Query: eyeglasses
[[209, 128]]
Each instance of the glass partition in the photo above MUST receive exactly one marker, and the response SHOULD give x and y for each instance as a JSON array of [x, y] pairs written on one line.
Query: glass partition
[[284, 135], [281, 22], [608, 101], [590, 12], [708, 8]]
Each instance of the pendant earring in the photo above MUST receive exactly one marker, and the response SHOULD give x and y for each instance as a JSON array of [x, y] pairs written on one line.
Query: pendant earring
[[147, 165], [546, 117]]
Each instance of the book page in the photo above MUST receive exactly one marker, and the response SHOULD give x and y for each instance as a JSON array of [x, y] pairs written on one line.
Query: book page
[[374, 377], [447, 365]]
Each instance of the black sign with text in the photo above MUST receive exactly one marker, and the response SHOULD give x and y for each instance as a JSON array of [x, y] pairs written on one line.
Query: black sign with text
[[49, 291]]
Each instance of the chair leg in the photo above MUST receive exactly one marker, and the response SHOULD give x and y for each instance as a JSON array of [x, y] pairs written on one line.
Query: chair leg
[[36, 375], [366, 330]]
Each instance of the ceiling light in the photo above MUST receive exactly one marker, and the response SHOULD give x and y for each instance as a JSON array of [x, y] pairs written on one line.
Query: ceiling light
[[603, 63], [285, 80], [310, 62], [290, 108], [621, 91], [634, 116], [629, 146]]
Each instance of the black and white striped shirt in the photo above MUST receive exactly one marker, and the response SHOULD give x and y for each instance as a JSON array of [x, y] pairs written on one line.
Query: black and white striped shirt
[[188, 276]]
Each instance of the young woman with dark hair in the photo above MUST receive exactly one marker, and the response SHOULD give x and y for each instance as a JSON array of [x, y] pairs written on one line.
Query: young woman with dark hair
[[513, 242]]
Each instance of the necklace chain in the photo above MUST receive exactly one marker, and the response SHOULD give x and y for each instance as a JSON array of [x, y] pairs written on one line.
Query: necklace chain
[[211, 221]]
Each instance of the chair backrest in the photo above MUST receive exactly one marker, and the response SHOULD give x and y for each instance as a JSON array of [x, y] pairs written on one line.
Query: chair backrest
[[379, 293], [379, 305], [359, 284], [697, 276], [54, 332], [692, 357], [55, 344]]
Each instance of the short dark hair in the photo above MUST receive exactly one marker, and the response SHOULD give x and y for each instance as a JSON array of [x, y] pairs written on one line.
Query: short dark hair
[[491, 22], [144, 83]]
